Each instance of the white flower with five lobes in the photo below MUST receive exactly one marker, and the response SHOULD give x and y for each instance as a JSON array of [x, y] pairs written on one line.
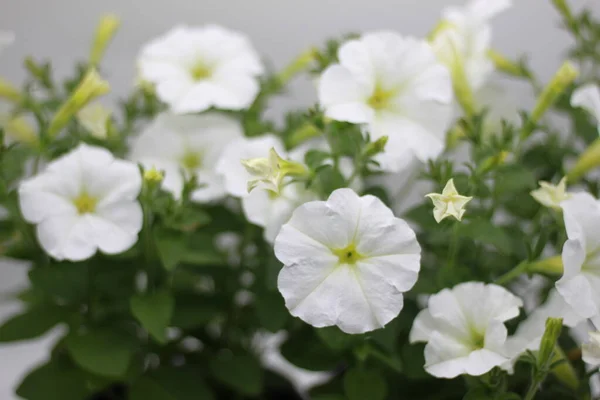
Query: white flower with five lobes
[[196, 68], [396, 87], [347, 262], [83, 202], [580, 283], [464, 329], [550, 195], [588, 98], [464, 37], [186, 145]]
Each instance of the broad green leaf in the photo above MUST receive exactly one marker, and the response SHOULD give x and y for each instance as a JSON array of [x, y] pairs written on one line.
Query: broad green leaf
[[361, 384], [304, 349], [315, 158], [32, 323], [65, 281], [486, 232], [335, 339], [103, 352], [154, 311], [241, 372], [171, 247], [183, 383], [193, 311], [329, 179], [146, 389], [271, 311], [514, 178], [53, 382]]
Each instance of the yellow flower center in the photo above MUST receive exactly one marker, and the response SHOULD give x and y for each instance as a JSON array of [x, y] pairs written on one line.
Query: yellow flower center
[[85, 203], [348, 255], [200, 71], [380, 98], [191, 160]]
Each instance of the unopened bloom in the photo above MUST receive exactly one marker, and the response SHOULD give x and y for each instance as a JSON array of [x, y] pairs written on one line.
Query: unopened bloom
[[107, 27], [186, 145], [94, 118], [448, 203], [550, 195], [580, 285], [84, 201], [195, 68], [464, 39], [269, 172], [347, 262], [591, 349], [464, 329], [397, 88], [588, 98]]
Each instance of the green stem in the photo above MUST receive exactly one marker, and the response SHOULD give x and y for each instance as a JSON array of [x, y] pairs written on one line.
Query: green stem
[[533, 388], [385, 359], [513, 273], [454, 246]]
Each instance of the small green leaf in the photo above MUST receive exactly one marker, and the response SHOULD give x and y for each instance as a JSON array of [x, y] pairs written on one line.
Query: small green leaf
[[53, 382], [329, 179], [154, 311], [360, 384], [486, 232], [146, 389], [32, 323], [183, 383], [335, 339], [194, 311], [171, 247], [315, 158], [65, 281], [242, 373], [102, 352], [271, 311]]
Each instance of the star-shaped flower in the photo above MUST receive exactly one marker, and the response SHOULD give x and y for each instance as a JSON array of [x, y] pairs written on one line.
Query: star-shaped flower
[[448, 203], [269, 172], [551, 195]]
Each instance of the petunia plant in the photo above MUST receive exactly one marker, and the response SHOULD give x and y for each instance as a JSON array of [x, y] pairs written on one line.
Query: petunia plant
[[413, 234]]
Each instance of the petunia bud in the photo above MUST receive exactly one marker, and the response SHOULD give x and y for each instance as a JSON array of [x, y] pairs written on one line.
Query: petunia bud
[[376, 147], [588, 160], [95, 119], [563, 78], [18, 129], [298, 65], [551, 195], [153, 176], [9, 92], [270, 172], [104, 33], [505, 65], [551, 334], [90, 87]]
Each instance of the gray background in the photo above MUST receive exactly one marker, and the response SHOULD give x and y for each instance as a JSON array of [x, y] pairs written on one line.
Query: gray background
[[62, 29]]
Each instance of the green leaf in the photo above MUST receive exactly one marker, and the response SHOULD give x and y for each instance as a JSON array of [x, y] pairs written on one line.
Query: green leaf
[[242, 373], [514, 178], [183, 383], [194, 311], [335, 339], [305, 350], [329, 179], [32, 323], [65, 281], [54, 382], [271, 311], [486, 232], [360, 384], [315, 158], [477, 394], [102, 352], [146, 389], [171, 247], [154, 311]]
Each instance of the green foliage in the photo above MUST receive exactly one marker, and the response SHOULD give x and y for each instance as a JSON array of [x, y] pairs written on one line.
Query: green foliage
[[363, 384], [240, 372], [154, 311]]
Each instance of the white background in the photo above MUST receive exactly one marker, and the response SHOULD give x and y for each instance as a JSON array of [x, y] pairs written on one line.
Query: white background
[[61, 30]]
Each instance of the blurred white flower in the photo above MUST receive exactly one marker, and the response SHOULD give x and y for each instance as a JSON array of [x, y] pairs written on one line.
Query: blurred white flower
[[395, 86], [588, 98], [464, 329], [448, 203], [550, 195], [196, 68], [465, 36], [591, 349], [182, 145], [580, 283], [94, 119], [230, 165], [6, 39], [347, 262], [84, 201]]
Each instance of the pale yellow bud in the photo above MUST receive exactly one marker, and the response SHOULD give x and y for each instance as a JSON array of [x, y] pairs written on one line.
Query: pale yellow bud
[[19, 129], [449, 203], [95, 118], [550, 195], [270, 172], [9, 92], [107, 27], [90, 87], [153, 176]]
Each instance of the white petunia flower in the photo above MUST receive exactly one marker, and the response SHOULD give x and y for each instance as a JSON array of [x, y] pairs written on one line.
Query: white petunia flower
[[591, 349], [182, 145], [195, 69], [550, 195], [84, 201], [395, 86], [448, 203], [588, 98], [465, 37], [347, 262], [580, 283], [464, 329], [6, 39]]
